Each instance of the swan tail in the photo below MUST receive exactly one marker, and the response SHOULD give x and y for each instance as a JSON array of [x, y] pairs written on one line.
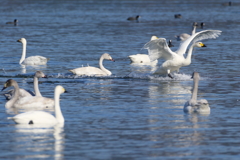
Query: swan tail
[[10, 118], [72, 71]]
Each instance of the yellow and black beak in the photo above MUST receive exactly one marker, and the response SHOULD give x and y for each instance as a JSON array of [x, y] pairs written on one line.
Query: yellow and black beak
[[203, 45], [19, 40]]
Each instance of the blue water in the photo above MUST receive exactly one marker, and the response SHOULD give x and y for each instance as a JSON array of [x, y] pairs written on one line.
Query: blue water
[[131, 114]]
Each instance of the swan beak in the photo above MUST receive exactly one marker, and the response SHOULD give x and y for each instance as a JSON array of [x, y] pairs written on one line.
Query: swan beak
[[19, 40], [112, 60], [3, 88], [45, 76], [203, 45]]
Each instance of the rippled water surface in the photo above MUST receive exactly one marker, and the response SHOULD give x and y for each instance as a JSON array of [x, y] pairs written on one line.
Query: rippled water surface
[[131, 114]]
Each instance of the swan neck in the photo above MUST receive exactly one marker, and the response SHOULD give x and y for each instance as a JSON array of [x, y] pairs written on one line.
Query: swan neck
[[23, 53], [58, 112], [15, 97], [189, 55], [36, 88], [194, 30], [102, 67], [195, 90]]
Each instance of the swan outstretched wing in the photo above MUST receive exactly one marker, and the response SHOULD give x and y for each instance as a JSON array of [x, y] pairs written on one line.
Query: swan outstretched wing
[[158, 48], [205, 34]]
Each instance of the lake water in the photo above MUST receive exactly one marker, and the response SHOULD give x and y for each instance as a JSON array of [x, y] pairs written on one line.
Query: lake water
[[131, 114]]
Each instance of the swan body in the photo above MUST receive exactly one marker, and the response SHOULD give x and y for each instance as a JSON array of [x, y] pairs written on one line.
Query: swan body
[[193, 105], [175, 60], [32, 60], [144, 58], [25, 93], [93, 71], [26, 102], [41, 117], [184, 36]]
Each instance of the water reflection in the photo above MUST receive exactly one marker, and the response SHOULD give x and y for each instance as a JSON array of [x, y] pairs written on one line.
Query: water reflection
[[42, 138]]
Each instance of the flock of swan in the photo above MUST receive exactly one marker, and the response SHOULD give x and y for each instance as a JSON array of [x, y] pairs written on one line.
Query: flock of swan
[[158, 48]]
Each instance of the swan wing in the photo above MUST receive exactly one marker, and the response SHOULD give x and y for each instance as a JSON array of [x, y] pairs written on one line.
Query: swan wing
[[35, 60], [158, 48], [205, 34], [88, 71]]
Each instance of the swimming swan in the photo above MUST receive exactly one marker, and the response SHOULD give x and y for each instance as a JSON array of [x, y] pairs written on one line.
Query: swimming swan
[[144, 58], [194, 105], [175, 60], [26, 102], [41, 117], [184, 36], [23, 92], [32, 60], [94, 71]]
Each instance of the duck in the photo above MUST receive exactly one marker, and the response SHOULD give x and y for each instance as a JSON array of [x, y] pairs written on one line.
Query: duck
[[32, 60], [133, 18], [202, 25], [177, 16], [193, 105], [158, 48], [23, 92], [14, 22], [41, 117], [184, 36], [144, 58], [94, 71], [27, 102]]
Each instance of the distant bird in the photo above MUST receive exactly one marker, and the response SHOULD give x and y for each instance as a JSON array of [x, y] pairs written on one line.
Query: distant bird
[[178, 16], [184, 36], [133, 18], [202, 25], [193, 105], [170, 44], [227, 3], [14, 22]]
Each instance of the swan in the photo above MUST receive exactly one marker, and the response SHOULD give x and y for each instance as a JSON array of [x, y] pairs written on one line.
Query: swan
[[94, 71], [32, 60], [26, 102], [133, 18], [175, 60], [41, 117], [144, 58], [184, 36], [14, 22], [194, 105], [23, 92]]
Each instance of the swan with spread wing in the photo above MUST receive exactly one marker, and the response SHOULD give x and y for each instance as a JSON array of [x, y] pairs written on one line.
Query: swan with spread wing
[[158, 48]]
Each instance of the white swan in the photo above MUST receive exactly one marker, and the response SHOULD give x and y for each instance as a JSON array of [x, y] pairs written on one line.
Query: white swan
[[175, 60], [194, 105], [24, 93], [41, 117], [184, 36], [26, 102], [32, 60], [93, 71], [144, 58]]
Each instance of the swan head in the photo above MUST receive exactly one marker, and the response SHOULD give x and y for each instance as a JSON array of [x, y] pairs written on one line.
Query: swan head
[[60, 89], [154, 37], [195, 24], [199, 44], [40, 74], [22, 40], [195, 75], [170, 43], [9, 83], [107, 57]]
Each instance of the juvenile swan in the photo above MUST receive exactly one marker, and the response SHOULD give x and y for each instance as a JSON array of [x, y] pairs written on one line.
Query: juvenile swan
[[158, 48], [32, 60], [184, 36], [26, 102], [41, 117], [93, 71], [24, 93], [194, 105]]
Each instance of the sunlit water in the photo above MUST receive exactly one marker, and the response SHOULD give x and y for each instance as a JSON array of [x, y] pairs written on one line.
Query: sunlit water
[[131, 114]]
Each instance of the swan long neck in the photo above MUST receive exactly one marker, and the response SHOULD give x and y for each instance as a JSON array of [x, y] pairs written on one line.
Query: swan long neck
[[102, 67], [189, 55], [194, 30], [15, 97], [36, 88], [23, 53], [195, 90], [58, 112]]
